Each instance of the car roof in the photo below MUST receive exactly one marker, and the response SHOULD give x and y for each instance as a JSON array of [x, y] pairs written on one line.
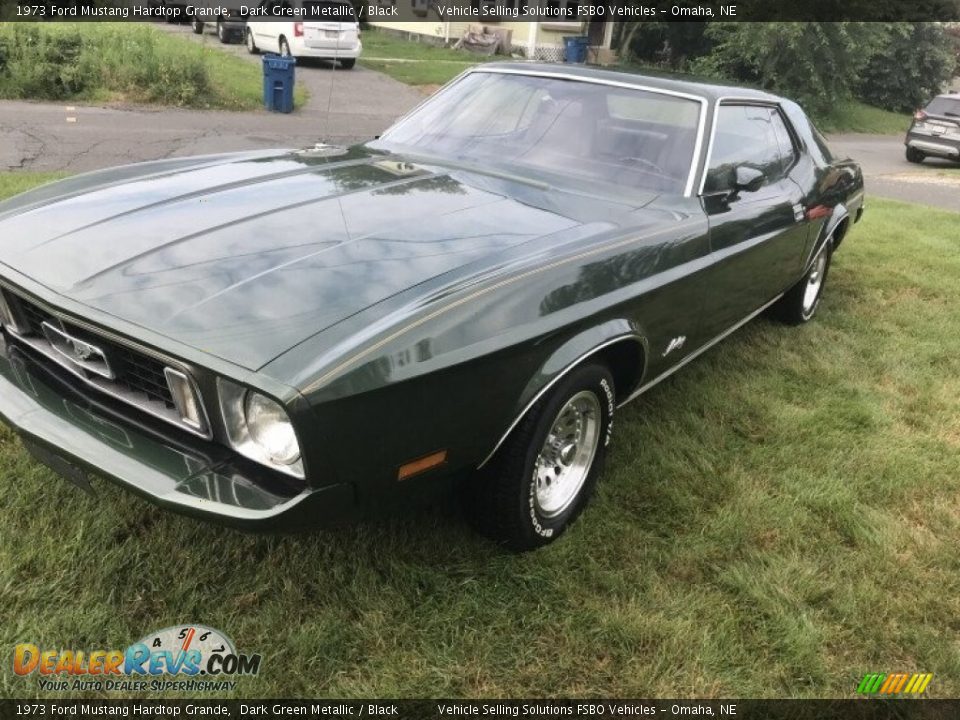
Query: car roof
[[950, 95], [707, 89]]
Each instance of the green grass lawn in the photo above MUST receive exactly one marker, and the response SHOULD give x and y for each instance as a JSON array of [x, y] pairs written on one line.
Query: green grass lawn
[[855, 116], [777, 519], [124, 62], [416, 63]]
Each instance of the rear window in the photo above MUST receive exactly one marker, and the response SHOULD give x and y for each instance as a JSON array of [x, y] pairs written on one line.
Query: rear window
[[648, 108], [944, 106]]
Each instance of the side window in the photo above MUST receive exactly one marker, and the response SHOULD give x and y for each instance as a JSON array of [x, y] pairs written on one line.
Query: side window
[[788, 150], [746, 135]]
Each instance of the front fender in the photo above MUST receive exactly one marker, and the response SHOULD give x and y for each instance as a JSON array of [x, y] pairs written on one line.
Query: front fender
[[576, 350]]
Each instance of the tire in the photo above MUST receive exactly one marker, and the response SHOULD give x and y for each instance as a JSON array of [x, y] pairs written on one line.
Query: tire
[[348, 63], [914, 155], [197, 27], [284, 47], [800, 302], [251, 43], [523, 503], [223, 35]]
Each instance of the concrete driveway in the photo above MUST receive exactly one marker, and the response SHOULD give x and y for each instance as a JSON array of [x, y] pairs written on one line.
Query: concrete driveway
[[888, 174], [344, 107]]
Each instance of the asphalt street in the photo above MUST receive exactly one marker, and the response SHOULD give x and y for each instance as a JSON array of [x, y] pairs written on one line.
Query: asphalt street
[[888, 174], [344, 107]]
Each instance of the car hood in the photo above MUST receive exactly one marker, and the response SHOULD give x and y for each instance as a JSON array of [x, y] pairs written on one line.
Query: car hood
[[244, 256]]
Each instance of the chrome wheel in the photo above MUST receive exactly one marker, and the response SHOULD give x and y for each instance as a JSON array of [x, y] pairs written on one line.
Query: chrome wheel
[[811, 292], [567, 454]]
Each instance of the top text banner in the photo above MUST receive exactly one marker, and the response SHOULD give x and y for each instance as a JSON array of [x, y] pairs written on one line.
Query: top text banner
[[575, 13]]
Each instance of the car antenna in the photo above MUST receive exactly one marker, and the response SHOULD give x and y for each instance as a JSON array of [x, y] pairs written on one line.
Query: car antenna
[[330, 91]]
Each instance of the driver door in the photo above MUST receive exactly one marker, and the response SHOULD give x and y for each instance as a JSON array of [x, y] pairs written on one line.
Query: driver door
[[757, 235]]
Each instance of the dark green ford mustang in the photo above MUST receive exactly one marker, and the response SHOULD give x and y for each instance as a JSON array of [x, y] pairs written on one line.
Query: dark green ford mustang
[[282, 339]]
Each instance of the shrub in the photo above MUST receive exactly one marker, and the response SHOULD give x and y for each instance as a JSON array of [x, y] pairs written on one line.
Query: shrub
[[57, 62], [47, 66], [910, 67], [812, 63]]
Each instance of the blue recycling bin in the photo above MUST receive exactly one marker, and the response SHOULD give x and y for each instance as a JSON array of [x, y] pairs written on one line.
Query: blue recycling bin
[[278, 80], [575, 48]]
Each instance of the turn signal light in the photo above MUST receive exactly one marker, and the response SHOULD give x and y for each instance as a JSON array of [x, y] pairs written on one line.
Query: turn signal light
[[415, 467], [185, 399]]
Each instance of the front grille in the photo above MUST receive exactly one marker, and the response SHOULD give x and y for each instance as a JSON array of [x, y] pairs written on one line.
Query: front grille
[[137, 372], [139, 379]]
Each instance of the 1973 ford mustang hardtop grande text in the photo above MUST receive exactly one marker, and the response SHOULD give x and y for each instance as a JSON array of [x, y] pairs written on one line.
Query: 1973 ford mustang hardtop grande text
[[279, 339]]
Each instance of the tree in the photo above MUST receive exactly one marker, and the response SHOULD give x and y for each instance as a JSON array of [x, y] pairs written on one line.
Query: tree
[[669, 44], [816, 64], [910, 67]]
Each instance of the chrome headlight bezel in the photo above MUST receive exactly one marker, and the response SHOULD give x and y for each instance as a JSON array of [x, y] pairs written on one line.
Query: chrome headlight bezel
[[234, 403]]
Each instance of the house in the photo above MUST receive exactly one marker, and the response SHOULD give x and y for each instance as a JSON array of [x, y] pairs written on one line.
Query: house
[[534, 40]]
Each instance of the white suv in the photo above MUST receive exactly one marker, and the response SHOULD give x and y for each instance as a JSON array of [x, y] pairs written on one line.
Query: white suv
[[308, 34]]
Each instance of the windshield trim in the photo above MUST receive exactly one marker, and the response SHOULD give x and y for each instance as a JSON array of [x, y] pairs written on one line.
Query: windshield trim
[[701, 122]]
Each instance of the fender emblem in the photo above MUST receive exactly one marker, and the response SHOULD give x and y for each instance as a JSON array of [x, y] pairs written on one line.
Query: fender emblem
[[675, 344]]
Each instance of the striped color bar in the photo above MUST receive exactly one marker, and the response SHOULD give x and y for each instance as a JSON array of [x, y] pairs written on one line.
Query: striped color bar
[[894, 683]]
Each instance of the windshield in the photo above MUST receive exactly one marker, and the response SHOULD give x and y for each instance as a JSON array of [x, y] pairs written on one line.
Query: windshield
[[558, 130], [948, 107]]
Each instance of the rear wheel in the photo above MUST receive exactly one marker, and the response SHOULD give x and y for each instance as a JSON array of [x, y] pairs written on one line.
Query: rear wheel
[[197, 27], [223, 35], [251, 43], [543, 476], [914, 155], [348, 63], [800, 302]]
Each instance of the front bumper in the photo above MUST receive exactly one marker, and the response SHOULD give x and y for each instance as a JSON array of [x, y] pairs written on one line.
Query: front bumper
[[72, 430]]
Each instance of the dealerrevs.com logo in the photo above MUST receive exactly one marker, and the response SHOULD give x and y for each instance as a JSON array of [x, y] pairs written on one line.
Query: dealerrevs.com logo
[[182, 658]]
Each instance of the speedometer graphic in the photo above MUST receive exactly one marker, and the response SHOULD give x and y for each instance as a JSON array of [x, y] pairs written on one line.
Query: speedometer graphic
[[184, 638]]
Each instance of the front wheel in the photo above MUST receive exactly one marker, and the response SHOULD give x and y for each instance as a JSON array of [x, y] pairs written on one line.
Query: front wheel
[[914, 155], [223, 35], [800, 302], [543, 476]]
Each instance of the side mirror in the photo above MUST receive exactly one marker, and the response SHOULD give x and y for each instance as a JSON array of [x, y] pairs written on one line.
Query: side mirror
[[748, 179]]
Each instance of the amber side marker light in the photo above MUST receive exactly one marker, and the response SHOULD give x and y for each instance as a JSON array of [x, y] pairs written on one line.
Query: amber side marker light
[[415, 467]]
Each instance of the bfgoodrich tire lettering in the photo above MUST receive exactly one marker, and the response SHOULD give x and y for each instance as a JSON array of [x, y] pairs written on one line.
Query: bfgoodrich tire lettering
[[542, 478]]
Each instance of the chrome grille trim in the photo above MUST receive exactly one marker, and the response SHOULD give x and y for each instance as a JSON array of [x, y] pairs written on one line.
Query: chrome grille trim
[[30, 312]]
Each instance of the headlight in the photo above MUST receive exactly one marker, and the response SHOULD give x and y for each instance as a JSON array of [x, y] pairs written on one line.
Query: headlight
[[259, 428], [270, 428]]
